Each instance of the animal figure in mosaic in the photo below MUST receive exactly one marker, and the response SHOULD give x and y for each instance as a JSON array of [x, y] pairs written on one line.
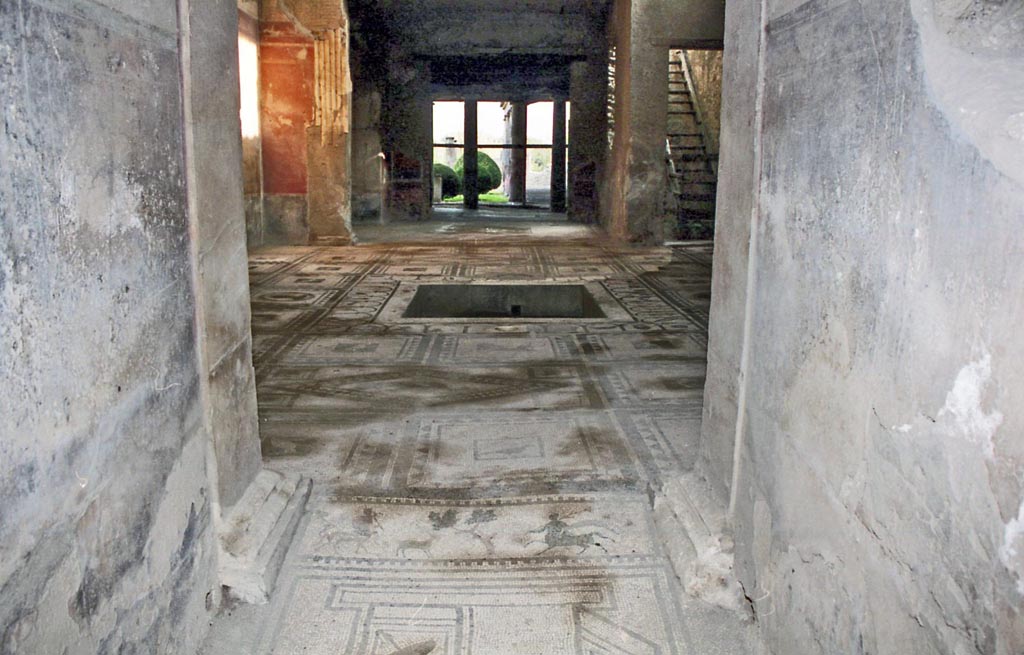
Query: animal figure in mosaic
[[355, 539], [449, 520], [421, 546], [559, 534]]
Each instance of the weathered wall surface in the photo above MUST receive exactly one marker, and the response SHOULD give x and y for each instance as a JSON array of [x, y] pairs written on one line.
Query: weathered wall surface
[[366, 148], [588, 143], [706, 68], [879, 505], [219, 214], [642, 31], [407, 140], [330, 187], [105, 535], [737, 176], [682, 23], [499, 32]]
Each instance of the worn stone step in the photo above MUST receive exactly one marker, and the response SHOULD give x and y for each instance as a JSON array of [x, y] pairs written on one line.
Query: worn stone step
[[696, 197], [697, 176], [686, 143], [692, 216], [695, 164], [707, 208], [697, 190], [257, 532]]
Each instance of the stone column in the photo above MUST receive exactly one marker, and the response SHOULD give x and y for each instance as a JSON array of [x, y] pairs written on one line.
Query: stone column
[[517, 174], [558, 156], [470, 194], [588, 135]]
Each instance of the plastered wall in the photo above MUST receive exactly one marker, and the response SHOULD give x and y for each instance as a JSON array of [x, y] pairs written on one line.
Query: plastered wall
[[864, 325], [106, 542]]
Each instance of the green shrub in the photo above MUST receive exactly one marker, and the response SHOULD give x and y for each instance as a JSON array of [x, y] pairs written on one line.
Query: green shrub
[[451, 183], [493, 198], [488, 174]]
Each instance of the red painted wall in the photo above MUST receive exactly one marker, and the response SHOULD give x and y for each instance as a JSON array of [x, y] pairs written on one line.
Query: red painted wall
[[286, 103]]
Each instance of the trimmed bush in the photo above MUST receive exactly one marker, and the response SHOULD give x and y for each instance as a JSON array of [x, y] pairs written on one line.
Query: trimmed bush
[[451, 183], [488, 174]]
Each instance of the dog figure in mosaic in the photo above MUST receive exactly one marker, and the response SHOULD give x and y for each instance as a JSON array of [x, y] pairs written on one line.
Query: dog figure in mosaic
[[421, 546], [559, 534]]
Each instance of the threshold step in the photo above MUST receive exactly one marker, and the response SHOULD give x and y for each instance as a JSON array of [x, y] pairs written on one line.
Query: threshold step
[[257, 532]]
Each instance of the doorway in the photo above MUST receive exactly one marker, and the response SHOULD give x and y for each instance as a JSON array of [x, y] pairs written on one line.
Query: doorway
[[691, 141], [520, 147]]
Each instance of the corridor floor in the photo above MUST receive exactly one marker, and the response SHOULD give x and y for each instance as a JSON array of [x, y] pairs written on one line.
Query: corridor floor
[[481, 486]]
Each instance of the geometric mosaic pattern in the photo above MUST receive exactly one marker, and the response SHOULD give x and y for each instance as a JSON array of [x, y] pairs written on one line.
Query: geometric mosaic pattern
[[482, 487]]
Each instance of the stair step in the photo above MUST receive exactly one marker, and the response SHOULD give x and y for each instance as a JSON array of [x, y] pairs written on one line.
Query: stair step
[[706, 214], [689, 157], [700, 176], [696, 207], [696, 197], [700, 188], [687, 144]]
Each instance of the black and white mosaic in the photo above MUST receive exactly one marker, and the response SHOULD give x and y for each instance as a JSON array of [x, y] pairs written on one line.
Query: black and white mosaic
[[482, 487]]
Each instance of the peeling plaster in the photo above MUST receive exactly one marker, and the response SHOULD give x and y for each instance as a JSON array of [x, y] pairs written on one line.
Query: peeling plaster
[[979, 89], [1011, 553], [963, 407]]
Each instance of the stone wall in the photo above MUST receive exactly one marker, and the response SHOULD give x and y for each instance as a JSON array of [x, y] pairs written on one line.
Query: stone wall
[[877, 380], [215, 157], [106, 542], [737, 176]]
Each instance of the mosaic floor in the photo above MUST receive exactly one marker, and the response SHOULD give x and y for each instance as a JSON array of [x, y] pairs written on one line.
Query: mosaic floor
[[482, 487]]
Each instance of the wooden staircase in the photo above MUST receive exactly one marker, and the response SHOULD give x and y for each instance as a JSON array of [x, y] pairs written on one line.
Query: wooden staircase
[[693, 170]]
